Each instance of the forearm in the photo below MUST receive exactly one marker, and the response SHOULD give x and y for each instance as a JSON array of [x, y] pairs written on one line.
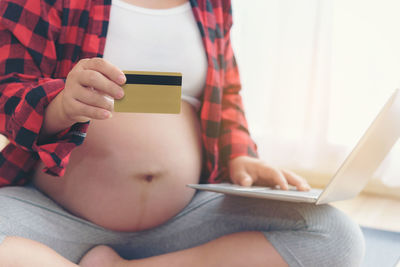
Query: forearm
[[234, 139]]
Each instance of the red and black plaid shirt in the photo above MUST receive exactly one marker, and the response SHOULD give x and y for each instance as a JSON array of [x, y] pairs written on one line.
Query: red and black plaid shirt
[[41, 40]]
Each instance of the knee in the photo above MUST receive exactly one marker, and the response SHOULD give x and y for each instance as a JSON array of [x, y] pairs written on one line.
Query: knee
[[344, 241]]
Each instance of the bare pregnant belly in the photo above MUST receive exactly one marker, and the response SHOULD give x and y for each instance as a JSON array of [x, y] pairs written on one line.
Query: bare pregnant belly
[[131, 171]]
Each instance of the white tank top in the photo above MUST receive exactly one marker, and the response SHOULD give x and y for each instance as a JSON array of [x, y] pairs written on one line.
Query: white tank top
[[166, 40]]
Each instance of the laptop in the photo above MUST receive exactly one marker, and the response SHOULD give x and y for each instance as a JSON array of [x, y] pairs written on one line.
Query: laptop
[[353, 174]]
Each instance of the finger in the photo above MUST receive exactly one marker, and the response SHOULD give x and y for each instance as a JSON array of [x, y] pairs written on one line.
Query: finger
[[243, 179], [86, 111], [104, 67], [296, 180], [274, 176], [94, 98], [91, 78]]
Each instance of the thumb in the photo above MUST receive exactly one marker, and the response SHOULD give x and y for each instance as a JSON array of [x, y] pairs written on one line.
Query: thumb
[[244, 179]]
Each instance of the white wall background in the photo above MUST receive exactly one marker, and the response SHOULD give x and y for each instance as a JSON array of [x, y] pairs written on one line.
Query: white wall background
[[314, 74]]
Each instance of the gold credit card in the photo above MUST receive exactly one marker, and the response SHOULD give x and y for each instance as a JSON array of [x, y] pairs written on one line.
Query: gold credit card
[[151, 92]]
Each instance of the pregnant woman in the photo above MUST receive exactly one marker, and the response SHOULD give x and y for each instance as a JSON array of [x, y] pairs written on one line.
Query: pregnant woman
[[121, 199]]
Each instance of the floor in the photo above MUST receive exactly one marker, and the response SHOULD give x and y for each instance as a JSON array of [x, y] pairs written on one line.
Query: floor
[[373, 211]]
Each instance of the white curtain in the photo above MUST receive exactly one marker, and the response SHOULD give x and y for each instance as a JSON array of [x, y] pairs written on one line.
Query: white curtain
[[315, 73]]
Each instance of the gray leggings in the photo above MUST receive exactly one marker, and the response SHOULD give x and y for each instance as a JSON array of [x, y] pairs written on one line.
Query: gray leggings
[[304, 234]]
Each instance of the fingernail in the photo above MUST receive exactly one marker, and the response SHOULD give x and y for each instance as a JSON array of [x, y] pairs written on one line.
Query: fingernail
[[120, 94], [121, 79], [304, 187], [247, 181], [109, 99], [107, 114]]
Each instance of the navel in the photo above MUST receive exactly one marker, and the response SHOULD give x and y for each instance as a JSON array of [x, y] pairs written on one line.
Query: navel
[[149, 178]]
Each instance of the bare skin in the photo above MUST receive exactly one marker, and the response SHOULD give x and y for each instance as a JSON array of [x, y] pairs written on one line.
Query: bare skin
[[22, 252], [79, 103], [235, 250]]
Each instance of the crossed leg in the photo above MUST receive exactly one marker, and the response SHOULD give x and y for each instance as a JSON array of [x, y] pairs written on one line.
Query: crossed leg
[[210, 230]]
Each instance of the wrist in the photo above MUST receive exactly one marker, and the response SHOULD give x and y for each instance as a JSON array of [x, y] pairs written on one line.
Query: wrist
[[60, 116], [236, 158], [54, 119]]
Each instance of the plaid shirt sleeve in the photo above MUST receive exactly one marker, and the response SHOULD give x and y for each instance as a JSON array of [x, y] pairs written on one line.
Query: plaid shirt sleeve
[[28, 33], [234, 137]]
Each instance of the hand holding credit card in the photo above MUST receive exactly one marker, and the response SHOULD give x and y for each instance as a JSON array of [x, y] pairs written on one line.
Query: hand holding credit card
[[151, 92]]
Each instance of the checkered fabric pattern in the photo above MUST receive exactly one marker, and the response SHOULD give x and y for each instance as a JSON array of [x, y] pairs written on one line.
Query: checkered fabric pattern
[[41, 40]]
